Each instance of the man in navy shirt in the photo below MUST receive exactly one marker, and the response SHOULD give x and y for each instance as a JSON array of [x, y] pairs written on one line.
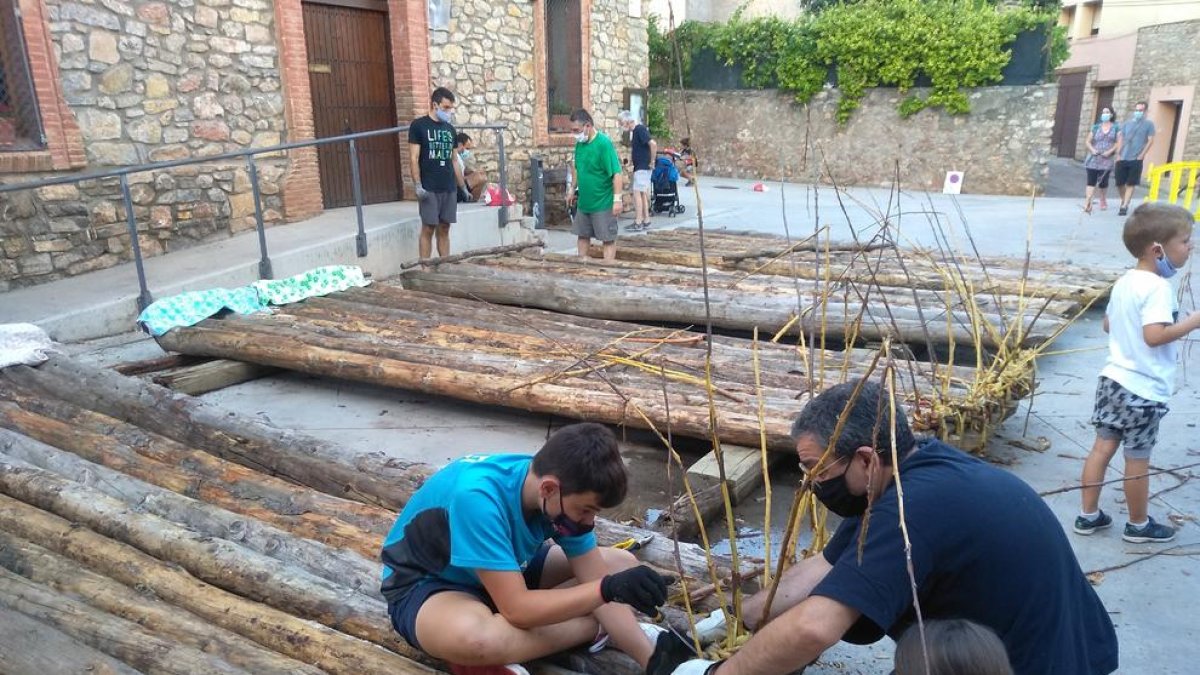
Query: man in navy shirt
[[984, 548]]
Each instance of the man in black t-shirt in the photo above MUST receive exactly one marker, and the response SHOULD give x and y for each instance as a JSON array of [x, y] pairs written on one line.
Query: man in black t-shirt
[[642, 149], [985, 548], [436, 176]]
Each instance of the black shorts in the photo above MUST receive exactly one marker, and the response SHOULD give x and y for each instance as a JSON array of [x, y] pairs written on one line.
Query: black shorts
[[1098, 177], [403, 611], [1129, 172]]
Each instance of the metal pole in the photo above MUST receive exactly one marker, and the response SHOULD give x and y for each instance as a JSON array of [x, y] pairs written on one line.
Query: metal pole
[[360, 240], [503, 177], [264, 262], [144, 297]]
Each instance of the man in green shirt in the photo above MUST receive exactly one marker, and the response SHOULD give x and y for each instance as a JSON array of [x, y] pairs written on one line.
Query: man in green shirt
[[597, 172]]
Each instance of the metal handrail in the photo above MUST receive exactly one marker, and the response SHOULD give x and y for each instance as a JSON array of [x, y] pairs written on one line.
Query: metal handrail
[[264, 264]]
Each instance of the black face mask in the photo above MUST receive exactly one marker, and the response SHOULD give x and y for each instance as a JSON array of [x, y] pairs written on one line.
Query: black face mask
[[836, 496], [562, 524]]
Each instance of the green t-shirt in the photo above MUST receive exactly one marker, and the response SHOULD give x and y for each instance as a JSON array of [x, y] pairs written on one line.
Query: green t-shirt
[[596, 163]]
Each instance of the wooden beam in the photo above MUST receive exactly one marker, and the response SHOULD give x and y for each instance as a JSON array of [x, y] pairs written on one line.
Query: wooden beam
[[743, 470], [202, 378]]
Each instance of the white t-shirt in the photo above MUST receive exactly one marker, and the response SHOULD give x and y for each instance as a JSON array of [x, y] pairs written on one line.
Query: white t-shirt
[[1139, 299]]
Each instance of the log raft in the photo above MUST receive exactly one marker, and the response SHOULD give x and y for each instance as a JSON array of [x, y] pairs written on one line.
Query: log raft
[[905, 267], [837, 308], [586, 368], [111, 547]]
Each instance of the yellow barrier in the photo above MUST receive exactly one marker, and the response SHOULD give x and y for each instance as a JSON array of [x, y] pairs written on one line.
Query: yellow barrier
[[1181, 188]]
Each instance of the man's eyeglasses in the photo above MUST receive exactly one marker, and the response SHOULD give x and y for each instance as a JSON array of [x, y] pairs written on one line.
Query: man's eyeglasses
[[822, 471]]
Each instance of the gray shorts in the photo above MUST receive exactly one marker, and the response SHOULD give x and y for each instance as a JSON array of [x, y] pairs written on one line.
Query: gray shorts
[[438, 207], [1121, 415], [600, 225]]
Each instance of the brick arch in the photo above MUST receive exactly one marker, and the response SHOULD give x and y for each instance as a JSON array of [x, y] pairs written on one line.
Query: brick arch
[[409, 36]]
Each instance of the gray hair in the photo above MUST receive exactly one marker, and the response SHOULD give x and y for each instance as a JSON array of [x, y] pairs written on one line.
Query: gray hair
[[868, 421], [625, 117]]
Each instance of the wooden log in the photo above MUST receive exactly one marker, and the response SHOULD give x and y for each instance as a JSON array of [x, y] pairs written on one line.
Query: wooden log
[[457, 257], [303, 640], [30, 647], [194, 473], [219, 562], [156, 364], [161, 619], [679, 519], [210, 376], [121, 639], [334, 565], [241, 439]]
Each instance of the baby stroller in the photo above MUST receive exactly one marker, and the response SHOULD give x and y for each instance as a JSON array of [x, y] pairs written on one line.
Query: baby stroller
[[665, 181]]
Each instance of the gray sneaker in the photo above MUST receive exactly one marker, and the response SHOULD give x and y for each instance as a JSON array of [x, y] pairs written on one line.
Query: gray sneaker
[[1085, 526], [1151, 532]]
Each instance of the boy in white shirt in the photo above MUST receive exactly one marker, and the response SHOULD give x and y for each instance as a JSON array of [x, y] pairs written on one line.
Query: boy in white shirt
[[1142, 322]]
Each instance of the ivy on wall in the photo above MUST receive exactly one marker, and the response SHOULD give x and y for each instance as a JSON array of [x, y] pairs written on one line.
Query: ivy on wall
[[945, 45]]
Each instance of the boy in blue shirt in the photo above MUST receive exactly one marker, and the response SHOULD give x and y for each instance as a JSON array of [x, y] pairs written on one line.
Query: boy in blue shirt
[[476, 567], [1136, 382]]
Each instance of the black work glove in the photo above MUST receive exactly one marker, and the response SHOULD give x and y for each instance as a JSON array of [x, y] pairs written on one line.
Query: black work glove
[[640, 587], [463, 195], [669, 652]]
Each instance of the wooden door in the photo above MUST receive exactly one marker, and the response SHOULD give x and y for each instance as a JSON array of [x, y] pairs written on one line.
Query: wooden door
[[350, 71], [1066, 114]]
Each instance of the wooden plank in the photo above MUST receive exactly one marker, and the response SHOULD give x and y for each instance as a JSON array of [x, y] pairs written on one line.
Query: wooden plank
[[202, 378], [743, 470]]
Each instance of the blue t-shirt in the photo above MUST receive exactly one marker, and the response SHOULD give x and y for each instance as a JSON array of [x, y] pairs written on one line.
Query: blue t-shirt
[[986, 548], [468, 517], [1135, 134]]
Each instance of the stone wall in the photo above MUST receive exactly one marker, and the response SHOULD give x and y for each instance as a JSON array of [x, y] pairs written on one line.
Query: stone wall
[[1162, 59], [147, 82], [486, 55], [1003, 145]]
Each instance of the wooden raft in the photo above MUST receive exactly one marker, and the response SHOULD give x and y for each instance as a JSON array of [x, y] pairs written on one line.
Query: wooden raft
[[839, 310], [908, 267], [570, 366], [143, 530]]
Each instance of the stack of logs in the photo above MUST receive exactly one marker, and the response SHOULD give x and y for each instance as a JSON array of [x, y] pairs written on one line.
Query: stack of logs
[[146, 531], [860, 293], [582, 368]]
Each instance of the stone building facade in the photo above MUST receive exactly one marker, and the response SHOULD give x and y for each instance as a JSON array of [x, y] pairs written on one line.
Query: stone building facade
[[484, 53], [1166, 74], [145, 82], [1002, 145], [125, 82]]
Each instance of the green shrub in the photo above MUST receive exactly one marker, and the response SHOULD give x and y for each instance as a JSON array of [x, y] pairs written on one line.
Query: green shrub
[[951, 45]]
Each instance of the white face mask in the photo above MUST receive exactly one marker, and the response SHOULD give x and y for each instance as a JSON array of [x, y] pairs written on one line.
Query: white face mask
[[581, 137]]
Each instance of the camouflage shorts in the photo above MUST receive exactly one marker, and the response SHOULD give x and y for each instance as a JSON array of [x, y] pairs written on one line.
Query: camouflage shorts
[[1121, 415]]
